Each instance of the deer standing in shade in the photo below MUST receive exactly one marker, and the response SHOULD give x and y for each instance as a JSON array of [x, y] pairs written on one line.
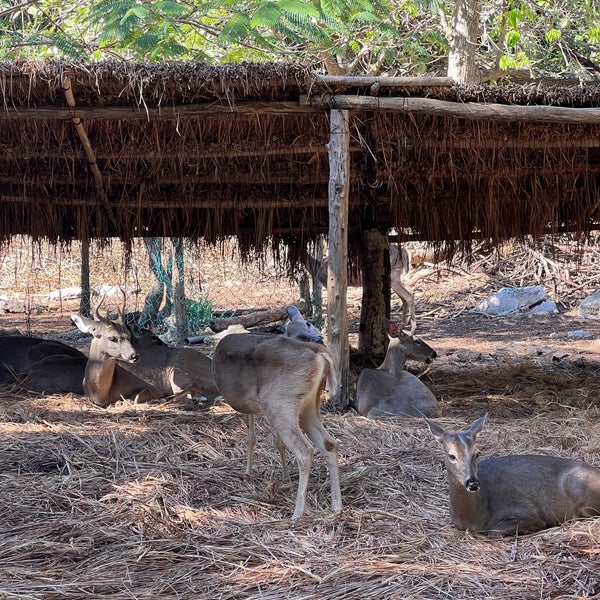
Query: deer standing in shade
[[281, 378], [399, 264], [518, 493], [390, 389]]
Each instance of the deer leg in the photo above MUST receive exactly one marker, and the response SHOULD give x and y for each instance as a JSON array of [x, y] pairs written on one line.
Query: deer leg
[[286, 428], [408, 305], [327, 445], [251, 438], [281, 447]]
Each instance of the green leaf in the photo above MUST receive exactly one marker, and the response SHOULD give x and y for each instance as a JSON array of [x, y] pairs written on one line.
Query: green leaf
[[512, 38], [235, 29], [267, 15], [553, 35], [298, 7]]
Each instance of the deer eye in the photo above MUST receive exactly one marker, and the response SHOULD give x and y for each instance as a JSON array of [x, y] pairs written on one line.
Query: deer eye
[[451, 456], [113, 339]]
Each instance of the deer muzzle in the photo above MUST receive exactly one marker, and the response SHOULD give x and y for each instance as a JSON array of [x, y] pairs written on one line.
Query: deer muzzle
[[472, 484]]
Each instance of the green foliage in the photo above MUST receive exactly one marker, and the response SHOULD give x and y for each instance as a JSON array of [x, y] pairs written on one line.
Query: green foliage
[[354, 36]]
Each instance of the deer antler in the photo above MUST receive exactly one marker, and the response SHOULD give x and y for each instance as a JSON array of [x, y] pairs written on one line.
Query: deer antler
[[97, 315], [121, 309]]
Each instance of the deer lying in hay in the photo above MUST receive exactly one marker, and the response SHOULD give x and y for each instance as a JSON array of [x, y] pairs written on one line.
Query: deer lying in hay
[[390, 389], [121, 366], [40, 365], [511, 494], [281, 378]]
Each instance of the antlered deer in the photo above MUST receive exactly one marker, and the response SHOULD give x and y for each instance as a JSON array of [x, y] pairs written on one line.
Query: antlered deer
[[123, 366], [281, 378], [518, 493], [399, 263], [391, 390]]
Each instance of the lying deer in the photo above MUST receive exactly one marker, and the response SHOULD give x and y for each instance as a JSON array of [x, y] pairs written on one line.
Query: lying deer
[[301, 329], [41, 365], [281, 378], [123, 366], [390, 389], [515, 493], [399, 263]]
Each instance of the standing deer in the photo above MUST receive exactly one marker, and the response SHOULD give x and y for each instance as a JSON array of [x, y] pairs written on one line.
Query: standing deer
[[399, 263], [281, 378], [391, 390], [518, 493], [123, 366]]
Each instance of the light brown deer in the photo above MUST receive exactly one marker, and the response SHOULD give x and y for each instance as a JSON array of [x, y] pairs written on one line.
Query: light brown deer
[[515, 493], [400, 265], [121, 365], [390, 389], [281, 378]]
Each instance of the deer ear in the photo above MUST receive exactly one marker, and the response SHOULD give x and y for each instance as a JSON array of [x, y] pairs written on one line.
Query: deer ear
[[477, 426], [437, 430], [83, 323]]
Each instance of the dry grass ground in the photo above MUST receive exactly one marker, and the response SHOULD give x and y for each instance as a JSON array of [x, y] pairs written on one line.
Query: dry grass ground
[[151, 501]]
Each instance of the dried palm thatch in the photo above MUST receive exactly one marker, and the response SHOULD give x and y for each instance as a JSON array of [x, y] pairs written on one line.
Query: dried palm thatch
[[151, 501], [188, 150]]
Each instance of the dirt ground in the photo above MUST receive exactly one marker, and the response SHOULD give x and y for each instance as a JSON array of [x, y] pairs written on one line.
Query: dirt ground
[[148, 501]]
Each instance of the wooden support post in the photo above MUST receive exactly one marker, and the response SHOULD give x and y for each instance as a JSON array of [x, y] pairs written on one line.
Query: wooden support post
[[337, 275]]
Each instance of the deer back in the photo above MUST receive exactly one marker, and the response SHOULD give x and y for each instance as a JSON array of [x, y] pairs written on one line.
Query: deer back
[[514, 493], [18, 354], [253, 370], [391, 390], [173, 370]]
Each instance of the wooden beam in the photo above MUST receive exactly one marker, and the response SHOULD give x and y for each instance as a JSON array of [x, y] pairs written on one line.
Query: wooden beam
[[350, 81], [337, 275], [134, 204], [467, 110], [127, 113]]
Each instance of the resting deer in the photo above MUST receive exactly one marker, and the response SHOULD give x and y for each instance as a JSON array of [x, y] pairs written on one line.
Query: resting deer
[[40, 365], [281, 378], [399, 263], [390, 389], [301, 329], [123, 366], [515, 493]]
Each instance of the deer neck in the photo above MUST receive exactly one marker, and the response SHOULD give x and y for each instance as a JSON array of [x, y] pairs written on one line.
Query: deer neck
[[466, 508], [393, 363], [99, 375]]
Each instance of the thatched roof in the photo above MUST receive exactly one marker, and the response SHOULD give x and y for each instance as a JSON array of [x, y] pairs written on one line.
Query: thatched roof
[[184, 149]]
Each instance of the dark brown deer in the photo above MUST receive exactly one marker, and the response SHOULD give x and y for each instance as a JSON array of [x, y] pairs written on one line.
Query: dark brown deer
[[518, 493], [121, 366], [399, 263], [390, 389], [40, 365], [281, 378]]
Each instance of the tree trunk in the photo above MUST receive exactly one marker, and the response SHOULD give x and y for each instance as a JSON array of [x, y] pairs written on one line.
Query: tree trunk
[[179, 304], [156, 294], [463, 38], [372, 342], [86, 295]]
